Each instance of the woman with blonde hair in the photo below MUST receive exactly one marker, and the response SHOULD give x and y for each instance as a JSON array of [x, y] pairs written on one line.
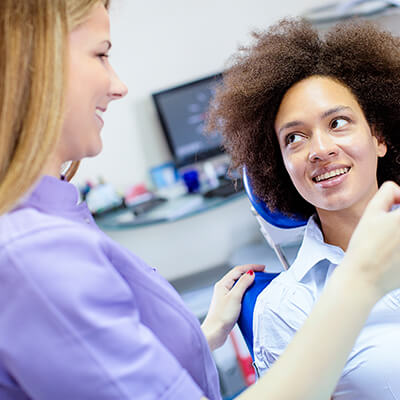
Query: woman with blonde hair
[[82, 318]]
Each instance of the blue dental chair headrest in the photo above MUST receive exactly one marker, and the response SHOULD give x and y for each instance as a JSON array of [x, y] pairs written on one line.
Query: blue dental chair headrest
[[274, 218]]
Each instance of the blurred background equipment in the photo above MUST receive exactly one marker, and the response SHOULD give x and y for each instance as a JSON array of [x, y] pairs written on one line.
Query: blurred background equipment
[[182, 111]]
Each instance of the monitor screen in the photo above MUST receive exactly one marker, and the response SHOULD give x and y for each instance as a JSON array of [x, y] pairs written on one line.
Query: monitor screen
[[182, 110]]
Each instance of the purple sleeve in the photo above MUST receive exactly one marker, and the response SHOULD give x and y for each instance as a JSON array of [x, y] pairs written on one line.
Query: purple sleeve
[[70, 326]]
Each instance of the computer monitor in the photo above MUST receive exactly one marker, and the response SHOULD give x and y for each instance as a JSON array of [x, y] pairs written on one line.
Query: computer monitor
[[182, 110]]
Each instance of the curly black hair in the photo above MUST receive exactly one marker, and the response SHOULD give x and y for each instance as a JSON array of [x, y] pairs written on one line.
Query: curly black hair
[[357, 54]]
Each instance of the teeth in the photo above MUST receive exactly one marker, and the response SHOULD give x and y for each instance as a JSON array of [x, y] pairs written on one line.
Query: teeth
[[336, 172], [99, 112]]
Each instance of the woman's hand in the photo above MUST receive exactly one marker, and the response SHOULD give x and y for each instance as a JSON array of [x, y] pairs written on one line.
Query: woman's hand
[[374, 249], [226, 303]]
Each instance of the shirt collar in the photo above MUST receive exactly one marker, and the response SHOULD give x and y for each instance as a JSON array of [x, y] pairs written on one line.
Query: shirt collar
[[313, 250], [51, 193]]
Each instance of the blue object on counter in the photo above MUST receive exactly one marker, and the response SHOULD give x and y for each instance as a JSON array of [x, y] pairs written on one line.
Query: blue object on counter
[[191, 179]]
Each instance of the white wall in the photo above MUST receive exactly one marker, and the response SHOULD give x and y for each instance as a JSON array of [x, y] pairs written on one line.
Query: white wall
[[158, 44]]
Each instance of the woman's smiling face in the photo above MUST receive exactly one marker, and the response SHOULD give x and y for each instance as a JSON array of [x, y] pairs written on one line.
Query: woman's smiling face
[[327, 145], [92, 85]]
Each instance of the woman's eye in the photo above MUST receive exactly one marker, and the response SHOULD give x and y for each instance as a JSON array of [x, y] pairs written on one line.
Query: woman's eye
[[338, 123], [293, 138]]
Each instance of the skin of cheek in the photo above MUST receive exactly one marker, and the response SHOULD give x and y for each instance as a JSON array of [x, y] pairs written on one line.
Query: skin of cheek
[[362, 157], [81, 136]]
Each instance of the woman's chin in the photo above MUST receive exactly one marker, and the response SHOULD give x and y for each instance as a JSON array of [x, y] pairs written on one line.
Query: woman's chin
[[94, 151]]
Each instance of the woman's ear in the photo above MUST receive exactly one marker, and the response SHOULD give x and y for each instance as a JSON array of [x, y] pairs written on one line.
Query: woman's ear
[[380, 143], [382, 149]]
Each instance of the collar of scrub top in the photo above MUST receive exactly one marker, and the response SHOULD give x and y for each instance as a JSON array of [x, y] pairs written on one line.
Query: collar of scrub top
[[52, 194], [277, 228]]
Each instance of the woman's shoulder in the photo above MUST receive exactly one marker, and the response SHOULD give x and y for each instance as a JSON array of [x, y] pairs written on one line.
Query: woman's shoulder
[[280, 311], [285, 297], [26, 227], [56, 257]]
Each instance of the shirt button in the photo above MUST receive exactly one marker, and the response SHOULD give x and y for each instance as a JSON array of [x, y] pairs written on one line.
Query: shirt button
[[87, 220]]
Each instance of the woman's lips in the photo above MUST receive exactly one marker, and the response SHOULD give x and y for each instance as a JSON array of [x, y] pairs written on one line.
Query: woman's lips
[[99, 119], [332, 182]]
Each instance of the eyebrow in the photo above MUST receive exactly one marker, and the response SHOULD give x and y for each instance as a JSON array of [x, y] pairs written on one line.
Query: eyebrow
[[334, 111], [325, 114]]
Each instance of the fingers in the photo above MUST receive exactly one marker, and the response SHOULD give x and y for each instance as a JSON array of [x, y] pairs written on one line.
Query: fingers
[[241, 286], [228, 281], [385, 198]]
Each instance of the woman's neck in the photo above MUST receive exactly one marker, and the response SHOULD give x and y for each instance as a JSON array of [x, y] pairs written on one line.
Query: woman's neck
[[53, 167], [338, 227]]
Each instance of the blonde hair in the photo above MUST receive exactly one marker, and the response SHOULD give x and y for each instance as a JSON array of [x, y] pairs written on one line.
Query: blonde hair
[[33, 48]]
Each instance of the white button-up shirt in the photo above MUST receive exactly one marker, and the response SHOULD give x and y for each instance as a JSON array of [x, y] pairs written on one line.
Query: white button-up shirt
[[372, 370]]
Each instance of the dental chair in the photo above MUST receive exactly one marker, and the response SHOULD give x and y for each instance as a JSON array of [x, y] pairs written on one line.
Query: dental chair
[[277, 229]]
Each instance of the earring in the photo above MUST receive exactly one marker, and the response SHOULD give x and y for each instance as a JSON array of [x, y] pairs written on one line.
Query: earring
[[64, 169], [68, 170]]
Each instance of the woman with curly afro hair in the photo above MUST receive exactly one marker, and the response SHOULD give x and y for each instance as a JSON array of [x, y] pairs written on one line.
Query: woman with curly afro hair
[[316, 121]]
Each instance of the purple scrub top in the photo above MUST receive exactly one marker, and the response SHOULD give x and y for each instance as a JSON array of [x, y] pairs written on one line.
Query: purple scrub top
[[83, 318]]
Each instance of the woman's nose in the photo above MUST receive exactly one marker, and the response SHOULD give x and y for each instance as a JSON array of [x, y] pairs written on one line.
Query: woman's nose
[[322, 147], [118, 89]]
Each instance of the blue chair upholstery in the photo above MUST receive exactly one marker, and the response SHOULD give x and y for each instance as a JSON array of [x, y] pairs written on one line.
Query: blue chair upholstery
[[276, 227], [274, 218], [245, 321]]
